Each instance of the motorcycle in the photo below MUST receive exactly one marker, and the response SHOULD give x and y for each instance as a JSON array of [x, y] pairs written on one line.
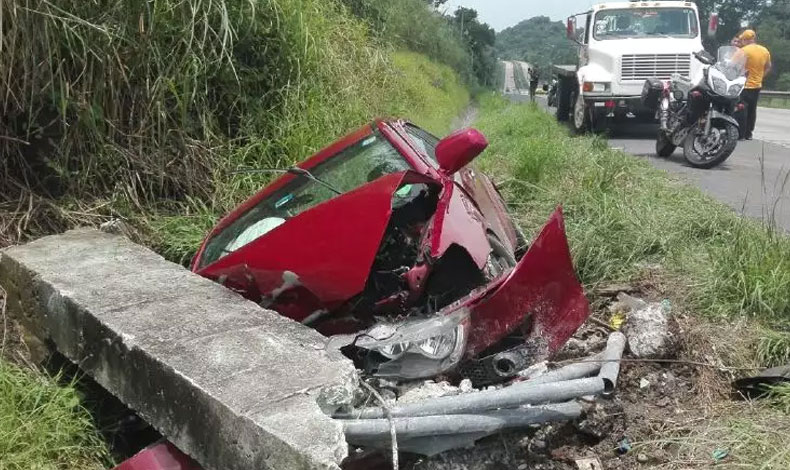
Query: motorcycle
[[698, 113]]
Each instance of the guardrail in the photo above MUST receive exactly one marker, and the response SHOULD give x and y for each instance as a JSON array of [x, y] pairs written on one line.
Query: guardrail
[[775, 94]]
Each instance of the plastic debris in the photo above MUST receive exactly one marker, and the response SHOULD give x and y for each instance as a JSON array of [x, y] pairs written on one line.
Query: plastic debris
[[720, 454], [624, 446]]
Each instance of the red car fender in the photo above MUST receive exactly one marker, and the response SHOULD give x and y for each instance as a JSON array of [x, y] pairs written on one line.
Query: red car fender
[[543, 285], [458, 222], [159, 456]]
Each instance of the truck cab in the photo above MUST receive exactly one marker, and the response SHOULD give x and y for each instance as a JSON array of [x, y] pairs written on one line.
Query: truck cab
[[621, 44]]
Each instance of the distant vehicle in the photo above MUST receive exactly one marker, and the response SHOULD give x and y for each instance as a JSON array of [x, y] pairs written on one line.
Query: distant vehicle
[[698, 113], [622, 44]]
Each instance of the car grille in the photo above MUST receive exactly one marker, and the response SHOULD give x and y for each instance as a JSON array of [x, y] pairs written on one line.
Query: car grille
[[640, 67]]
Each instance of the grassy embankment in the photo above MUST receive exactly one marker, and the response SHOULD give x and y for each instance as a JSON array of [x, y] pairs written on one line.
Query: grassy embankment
[[142, 110], [628, 222]]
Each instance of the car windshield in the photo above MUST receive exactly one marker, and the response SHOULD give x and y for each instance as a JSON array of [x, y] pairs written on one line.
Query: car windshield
[[355, 166], [642, 23]]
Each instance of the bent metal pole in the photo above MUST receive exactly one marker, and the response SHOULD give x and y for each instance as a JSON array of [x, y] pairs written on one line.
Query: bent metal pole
[[472, 403], [363, 431]]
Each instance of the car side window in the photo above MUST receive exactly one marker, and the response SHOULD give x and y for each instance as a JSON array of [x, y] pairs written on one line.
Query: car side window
[[425, 142]]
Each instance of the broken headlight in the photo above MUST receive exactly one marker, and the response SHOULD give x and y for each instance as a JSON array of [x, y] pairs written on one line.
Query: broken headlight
[[416, 349]]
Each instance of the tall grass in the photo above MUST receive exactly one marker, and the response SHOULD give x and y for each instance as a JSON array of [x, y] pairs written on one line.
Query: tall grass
[[623, 216], [135, 108], [43, 425]]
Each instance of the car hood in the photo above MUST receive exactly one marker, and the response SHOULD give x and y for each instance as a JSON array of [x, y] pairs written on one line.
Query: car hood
[[327, 250]]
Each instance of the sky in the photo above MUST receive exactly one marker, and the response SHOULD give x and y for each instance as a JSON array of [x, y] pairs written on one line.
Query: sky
[[501, 14]]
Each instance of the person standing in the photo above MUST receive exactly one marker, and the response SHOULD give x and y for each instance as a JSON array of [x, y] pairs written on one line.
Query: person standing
[[533, 83], [758, 64]]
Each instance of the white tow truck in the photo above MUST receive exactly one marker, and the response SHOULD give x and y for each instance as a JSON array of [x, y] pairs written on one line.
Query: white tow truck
[[622, 44]]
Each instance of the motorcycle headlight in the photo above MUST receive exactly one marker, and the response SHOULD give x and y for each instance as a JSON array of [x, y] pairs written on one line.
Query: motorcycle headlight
[[416, 349], [735, 90], [719, 86]]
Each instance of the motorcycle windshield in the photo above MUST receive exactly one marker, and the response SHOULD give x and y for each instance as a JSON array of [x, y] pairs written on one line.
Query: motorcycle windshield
[[731, 62]]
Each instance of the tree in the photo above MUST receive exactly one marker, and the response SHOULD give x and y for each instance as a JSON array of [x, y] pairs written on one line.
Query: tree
[[480, 40], [539, 41], [733, 14]]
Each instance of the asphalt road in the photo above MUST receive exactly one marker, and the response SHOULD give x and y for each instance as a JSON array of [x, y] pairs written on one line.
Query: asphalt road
[[754, 181]]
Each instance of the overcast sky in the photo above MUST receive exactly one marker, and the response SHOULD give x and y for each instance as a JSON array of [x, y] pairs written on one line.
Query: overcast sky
[[505, 13]]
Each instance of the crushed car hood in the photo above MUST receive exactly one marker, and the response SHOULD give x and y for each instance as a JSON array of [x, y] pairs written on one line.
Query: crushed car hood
[[327, 251]]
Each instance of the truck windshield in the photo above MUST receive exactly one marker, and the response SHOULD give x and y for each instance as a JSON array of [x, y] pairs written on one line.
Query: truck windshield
[[643, 23]]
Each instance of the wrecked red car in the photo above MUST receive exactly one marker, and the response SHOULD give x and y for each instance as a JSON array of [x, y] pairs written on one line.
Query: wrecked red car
[[391, 243]]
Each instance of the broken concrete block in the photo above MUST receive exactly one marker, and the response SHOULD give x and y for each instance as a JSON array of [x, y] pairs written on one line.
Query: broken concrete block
[[648, 329], [233, 385]]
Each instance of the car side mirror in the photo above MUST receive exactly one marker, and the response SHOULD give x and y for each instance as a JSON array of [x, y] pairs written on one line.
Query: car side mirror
[[570, 28], [713, 25], [458, 149]]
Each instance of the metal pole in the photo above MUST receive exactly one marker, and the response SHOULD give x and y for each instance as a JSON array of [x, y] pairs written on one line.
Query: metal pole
[[611, 361], [472, 403], [362, 431]]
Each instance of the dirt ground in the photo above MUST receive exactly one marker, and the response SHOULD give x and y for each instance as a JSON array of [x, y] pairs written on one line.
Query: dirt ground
[[645, 423]]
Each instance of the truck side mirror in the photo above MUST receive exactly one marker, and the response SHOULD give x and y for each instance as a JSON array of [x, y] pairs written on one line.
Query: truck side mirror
[[570, 28], [713, 25]]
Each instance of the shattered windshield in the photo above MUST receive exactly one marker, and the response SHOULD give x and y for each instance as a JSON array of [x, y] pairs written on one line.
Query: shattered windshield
[[642, 23], [355, 166]]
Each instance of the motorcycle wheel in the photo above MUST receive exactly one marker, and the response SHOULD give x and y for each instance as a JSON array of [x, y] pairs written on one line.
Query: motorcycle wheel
[[700, 153], [664, 146]]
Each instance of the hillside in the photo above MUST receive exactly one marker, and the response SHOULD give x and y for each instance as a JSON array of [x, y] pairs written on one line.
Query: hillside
[[538, 41], [141, 112]]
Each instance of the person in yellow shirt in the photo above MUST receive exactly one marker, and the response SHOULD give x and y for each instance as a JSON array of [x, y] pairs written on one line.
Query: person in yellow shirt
[[758, 64]]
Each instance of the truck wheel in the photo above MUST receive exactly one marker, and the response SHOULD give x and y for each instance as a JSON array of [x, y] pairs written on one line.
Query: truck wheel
[[564, 87], [582, 119]]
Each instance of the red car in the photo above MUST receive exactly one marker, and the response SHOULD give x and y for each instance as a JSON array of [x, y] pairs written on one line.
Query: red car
[[390, 232], [392, 244]]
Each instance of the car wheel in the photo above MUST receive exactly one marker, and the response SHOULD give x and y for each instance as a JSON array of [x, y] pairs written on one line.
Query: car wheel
[[500, 260]]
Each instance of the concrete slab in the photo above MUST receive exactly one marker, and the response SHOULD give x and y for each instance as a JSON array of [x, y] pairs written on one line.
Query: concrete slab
[[231, 384]]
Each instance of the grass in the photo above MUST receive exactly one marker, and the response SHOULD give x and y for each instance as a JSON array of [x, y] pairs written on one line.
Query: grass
[[624, 218], [141, 111], [623, 215], [43, 426], [781, 103]]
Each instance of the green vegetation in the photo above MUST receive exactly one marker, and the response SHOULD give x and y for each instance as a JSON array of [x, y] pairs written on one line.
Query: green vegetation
[[623, 215], [43, 426], [538, 41], [142, 111]]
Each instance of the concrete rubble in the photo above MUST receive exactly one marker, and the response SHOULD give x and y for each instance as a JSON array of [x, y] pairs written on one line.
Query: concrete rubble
[[648, 328], [233, 385]]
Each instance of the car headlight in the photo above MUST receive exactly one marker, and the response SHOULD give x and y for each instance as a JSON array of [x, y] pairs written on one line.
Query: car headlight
[[416, 349], [719, 86], [735, 90]]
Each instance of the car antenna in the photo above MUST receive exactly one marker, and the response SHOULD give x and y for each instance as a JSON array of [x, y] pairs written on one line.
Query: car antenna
[[294, 170]]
